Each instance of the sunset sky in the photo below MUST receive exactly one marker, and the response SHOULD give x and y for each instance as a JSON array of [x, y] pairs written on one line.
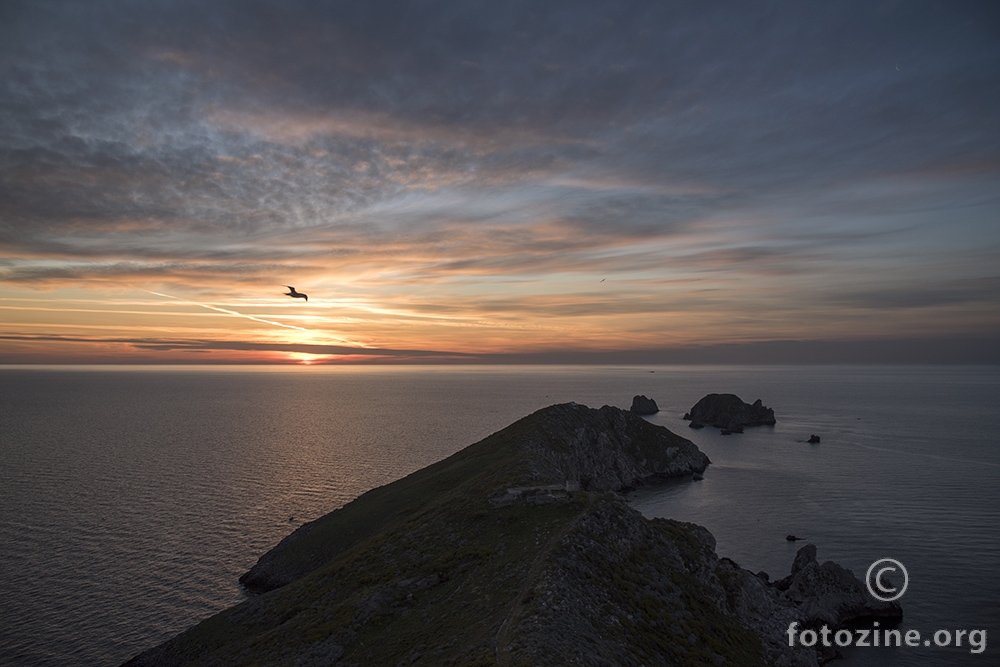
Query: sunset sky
[[499, 181]]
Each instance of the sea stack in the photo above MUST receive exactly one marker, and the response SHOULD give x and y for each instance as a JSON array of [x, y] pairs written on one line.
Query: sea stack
[[644, 406]]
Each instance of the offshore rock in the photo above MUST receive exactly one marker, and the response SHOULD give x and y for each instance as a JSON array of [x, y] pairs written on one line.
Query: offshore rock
[[729, 412], [644, 406]]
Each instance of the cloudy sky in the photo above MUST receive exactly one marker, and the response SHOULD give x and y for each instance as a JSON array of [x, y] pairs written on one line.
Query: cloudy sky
[[498, 180]]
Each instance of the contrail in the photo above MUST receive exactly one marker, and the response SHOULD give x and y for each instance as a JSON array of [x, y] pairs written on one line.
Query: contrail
[[229, 312]]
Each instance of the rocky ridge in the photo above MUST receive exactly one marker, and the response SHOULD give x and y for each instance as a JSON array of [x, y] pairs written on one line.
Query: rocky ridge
[[428, 570]]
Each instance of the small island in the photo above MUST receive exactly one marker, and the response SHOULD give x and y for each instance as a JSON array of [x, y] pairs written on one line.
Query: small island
[[729, 413], [521, 550], [644, 406]]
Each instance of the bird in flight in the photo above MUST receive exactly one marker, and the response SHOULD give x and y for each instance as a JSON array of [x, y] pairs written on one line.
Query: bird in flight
[[295, 295]]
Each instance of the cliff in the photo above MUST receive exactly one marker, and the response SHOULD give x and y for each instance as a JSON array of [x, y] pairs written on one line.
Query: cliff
[[514, 551], [597, 450]]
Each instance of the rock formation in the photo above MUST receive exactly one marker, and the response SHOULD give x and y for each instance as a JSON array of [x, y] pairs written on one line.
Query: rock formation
[[644, 406], [831, 595], [730, 413], [813, 439]]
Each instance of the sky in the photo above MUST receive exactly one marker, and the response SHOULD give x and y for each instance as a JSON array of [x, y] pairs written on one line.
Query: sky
[[615, 182]]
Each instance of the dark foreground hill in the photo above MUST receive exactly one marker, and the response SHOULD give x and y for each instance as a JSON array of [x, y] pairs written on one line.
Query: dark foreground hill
[[517, 550]]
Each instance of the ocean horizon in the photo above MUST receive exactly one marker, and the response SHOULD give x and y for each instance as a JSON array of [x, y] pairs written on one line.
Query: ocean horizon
[[133, 497]]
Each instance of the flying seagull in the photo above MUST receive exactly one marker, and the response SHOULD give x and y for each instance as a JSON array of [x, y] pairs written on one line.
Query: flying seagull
[[295, 295]]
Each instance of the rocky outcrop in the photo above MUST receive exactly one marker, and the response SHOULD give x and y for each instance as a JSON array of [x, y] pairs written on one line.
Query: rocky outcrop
[[813, 595], [831, 595], [813, 439], [644, 406], [673, 601], [730, 413], [606, 449]]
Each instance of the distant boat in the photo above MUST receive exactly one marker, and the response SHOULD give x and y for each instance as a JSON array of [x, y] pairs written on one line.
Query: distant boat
[[294, 294]]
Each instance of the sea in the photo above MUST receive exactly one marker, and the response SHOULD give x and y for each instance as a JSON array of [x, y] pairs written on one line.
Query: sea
[[132, 498]]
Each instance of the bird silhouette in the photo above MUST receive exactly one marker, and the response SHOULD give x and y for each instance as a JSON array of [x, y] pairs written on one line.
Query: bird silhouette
[[295, 295]]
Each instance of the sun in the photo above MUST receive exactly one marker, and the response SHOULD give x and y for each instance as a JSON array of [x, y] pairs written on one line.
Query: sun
[[307, 359]]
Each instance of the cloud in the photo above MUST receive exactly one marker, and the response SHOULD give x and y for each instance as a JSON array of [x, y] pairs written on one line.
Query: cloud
[[194, 274], [208, 345], [384, 147], [981, 291]]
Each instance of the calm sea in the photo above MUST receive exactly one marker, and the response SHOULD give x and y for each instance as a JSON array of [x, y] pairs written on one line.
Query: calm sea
[[131, 499]]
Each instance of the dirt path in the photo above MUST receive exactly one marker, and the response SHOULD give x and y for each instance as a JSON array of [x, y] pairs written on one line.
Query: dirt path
[[514, 609]]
